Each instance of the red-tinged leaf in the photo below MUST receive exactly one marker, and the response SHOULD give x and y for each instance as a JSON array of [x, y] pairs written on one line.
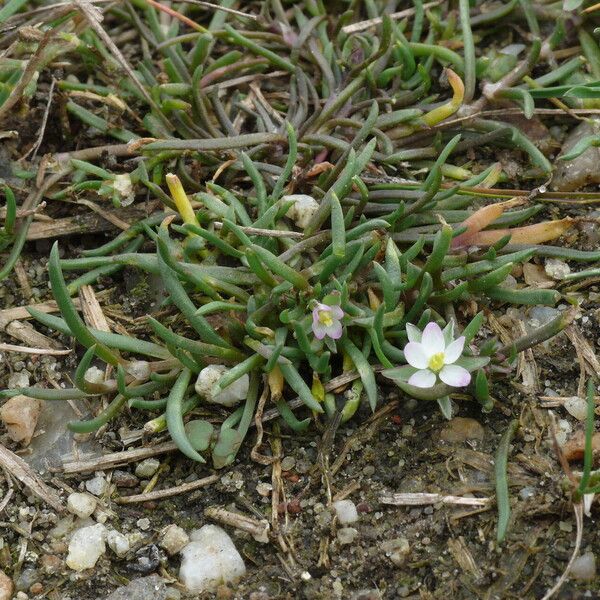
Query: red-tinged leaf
[[480, 219]]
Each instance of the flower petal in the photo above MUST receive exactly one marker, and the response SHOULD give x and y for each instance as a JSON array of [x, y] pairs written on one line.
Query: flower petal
[[422, 379], [413, 332], [319, 330], [433, 339], [335, 331], [455, 376], [336, 311], [448, 332], [415, 355], [454, 350]]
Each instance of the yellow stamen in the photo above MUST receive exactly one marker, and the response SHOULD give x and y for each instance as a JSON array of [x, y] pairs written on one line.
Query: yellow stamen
[[325, 318], [436, 362]]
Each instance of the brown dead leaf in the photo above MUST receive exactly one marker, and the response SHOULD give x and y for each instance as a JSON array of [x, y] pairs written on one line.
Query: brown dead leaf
[[535, 276], [319, 168], [574, 448], [481, 218]]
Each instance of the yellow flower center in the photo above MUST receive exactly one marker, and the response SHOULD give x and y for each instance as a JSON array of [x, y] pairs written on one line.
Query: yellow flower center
[[325, 318], [436, 362]]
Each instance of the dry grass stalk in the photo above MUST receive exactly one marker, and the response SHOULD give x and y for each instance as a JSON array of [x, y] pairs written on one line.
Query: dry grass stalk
[[169, 492], [21, 471]]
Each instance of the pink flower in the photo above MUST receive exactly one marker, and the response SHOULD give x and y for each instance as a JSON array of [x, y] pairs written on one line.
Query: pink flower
[[327, 321], [434, 357]]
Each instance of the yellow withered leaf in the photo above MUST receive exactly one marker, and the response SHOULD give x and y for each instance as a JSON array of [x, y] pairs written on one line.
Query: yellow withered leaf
[[530, 234]]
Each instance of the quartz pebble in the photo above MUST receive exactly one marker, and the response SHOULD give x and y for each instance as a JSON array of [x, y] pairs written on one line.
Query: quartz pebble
[[6, 586], [302, 210], [117, 542], [229, 396], [20, 415], [557, 269], [397, 550], [346, 511], [173, 539], [209, 560], [145, 588], [147, 468], [82, 505], [97, 485], [577, 407], [86, 547], [584, 567], [346, 535]]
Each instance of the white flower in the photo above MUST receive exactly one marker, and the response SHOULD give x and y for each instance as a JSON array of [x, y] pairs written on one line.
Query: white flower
[[434, 356], [327, 321]]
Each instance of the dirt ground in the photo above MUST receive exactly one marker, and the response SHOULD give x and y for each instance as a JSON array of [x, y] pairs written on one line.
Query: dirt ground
[[428, 551]]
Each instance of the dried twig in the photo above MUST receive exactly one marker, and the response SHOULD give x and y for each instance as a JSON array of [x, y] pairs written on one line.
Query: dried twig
[[424, 499], [408, 12], [116, 459], [578, 510], [19, 469], [40, 137], [259, 530], [167, 493], [28, 350]]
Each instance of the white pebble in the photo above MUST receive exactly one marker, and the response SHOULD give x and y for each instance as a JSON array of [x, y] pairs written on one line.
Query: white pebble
[[117, 542], [96, 485], [346, 535], [584, 567], [86, 547], [563, 432], [94, 375], [147, 468], [143, 524], [302, 210], [174, 538], [229, 396], [124, 186], [345, 511], [82, 505], [576, 407], [209, 560], [140, 369], [557, 269]]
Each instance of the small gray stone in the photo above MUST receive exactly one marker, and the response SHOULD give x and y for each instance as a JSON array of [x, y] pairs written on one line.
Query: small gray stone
[[174, 538], [584, 567], [397, 550], [82, 505], [96, 485], [288, 463], [346, 535], [147, 467], [117, 542], [144, 588], [124, 479], [557, 269]]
